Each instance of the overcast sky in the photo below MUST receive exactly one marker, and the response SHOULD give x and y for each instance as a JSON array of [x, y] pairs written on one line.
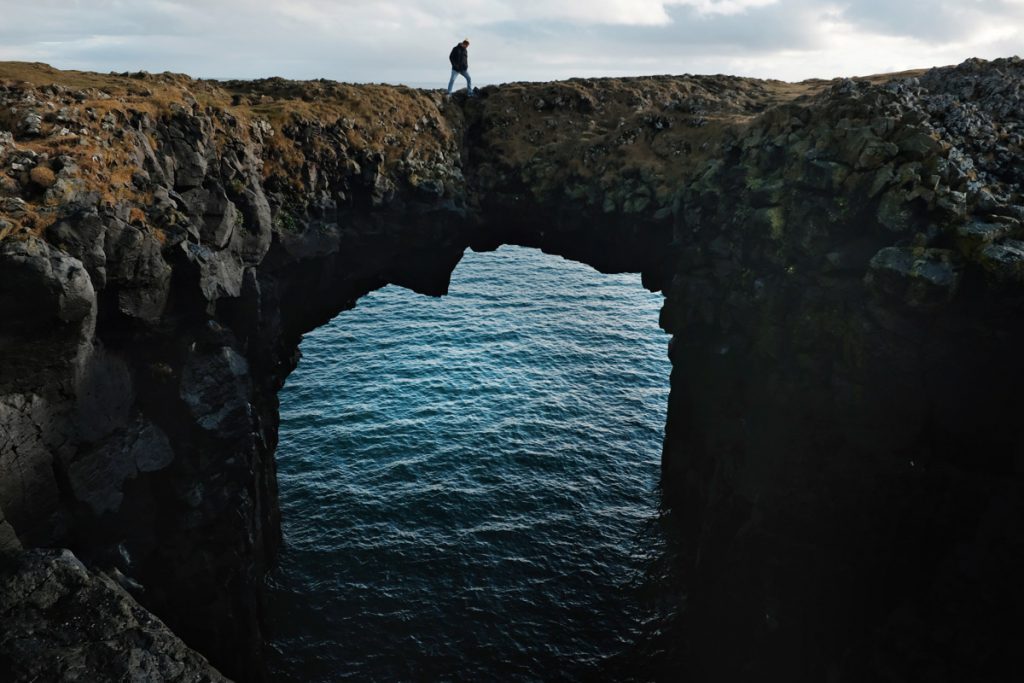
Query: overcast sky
[[408, 41]]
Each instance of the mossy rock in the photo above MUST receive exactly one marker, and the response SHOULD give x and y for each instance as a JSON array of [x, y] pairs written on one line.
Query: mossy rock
[[43, 176]]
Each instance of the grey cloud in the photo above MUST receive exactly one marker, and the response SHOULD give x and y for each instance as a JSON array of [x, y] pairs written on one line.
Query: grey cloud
[[683, 45], [45, 23], [942, 20], [764, 29]]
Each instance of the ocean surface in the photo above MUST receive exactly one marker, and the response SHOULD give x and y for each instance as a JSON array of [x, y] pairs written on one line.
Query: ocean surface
[[469, 484]]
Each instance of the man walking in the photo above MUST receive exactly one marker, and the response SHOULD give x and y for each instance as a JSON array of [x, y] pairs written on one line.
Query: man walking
[[459, 58]]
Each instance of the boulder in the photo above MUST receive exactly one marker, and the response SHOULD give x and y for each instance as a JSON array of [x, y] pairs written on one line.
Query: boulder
[[30, 125], [41, 286]]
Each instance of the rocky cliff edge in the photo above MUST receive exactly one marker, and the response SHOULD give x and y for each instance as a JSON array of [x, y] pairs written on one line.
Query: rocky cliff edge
[[842, 264]]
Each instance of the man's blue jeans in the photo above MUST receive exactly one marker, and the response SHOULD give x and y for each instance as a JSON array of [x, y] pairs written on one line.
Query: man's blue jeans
[[464, 74]]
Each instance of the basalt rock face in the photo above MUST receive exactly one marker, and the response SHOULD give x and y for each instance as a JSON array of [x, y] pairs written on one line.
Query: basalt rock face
[[153, 298], [842, 267], [65, 623], [845, 311]]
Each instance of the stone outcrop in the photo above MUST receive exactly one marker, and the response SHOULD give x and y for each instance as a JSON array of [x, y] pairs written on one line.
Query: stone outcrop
[[62, 622], [843, 279]]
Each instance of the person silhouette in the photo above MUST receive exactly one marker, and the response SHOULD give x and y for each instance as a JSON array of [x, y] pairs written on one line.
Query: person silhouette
[[459, 57]]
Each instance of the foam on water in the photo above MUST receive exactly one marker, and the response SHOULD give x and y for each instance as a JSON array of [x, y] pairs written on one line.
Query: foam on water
[[468, 484]]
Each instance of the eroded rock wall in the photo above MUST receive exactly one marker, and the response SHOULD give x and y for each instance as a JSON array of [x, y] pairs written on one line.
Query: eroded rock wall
[[845, 317], [162, 261]]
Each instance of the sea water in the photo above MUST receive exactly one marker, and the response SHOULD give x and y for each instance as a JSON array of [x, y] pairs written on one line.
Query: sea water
[[469, 484]]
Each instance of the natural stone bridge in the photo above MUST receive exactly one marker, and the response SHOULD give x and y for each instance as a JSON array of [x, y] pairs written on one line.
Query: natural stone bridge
[[842, 278]]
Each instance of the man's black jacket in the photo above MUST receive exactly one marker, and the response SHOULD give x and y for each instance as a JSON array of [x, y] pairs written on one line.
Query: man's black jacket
[[459, 58]]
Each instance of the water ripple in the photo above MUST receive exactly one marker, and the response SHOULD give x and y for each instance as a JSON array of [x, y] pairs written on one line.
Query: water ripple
[[466, 482]]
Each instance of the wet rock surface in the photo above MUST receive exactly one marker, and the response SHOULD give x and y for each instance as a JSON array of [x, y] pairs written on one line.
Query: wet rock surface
[[842, 264]]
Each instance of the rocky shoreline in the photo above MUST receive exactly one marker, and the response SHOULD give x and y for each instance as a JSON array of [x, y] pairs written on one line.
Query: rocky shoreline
[[842, 264]]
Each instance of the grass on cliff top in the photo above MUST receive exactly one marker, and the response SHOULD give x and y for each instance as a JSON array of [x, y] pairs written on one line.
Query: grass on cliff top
[[277, 100], [659, 129], [41, 74], [104, 164], [369, 118], [145, 86], [656, 128]]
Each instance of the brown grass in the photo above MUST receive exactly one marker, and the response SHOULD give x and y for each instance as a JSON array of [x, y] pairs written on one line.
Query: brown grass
[[42, 176], [658, 127]]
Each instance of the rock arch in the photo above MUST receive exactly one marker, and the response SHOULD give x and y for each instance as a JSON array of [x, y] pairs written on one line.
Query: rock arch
[[842, 275]]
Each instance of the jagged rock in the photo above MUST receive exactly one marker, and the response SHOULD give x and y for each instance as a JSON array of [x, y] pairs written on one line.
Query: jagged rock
[[15, 207], [31, 437], [917, 145], [895, 212], [146, 158], [136, 266], [217, 215], [82, 236], [979, 233], [216, 387], [876, 153], [1004, 261], [8, 539], [30, 125], [41, 286], [255, 233], [65, 623], [97, 476], [104, 396], [189, 165], [382, 189], [219, 272], [921, 278]]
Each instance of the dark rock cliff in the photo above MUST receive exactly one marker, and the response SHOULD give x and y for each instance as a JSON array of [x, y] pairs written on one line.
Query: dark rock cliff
[[65, 623], [842, 267]]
